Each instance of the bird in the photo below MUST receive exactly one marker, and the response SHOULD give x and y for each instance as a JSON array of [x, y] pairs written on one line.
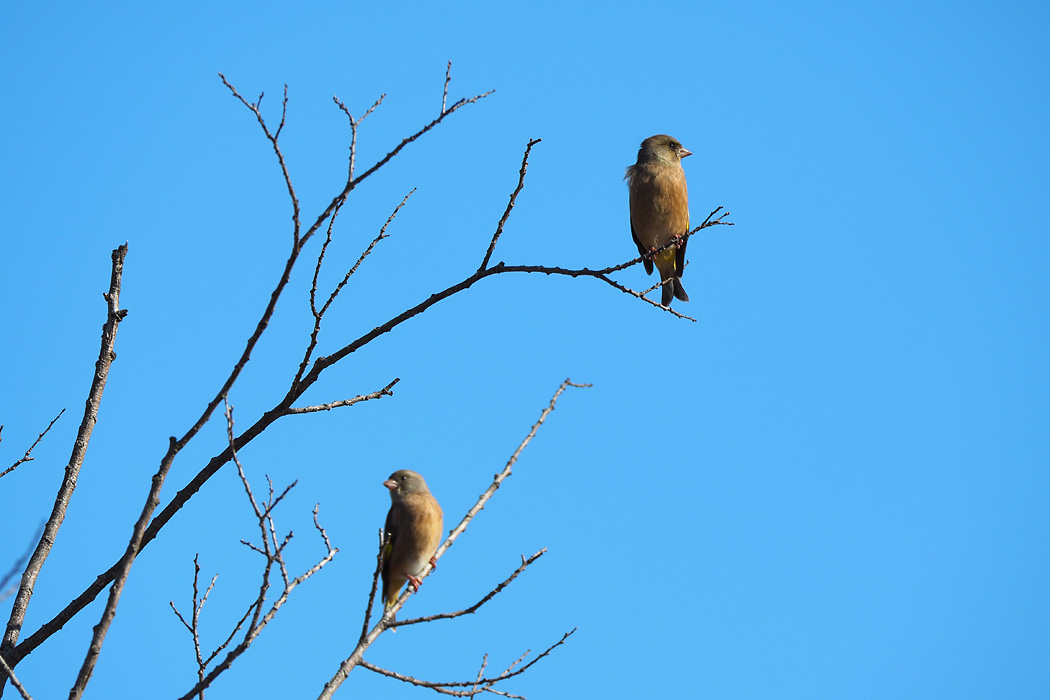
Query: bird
[[411, 535], [659, 202]]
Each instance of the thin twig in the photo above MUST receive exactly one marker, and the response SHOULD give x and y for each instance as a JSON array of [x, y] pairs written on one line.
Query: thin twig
[[484, 498], [510, 463], [641, 295], [481, 673], [273, 137], [444, 93], [352, 183], [473, 608], [319, 314], [320, 261], [444, 687], [385, 391], [354, 124], [510, 204], [375, 584], [708, 223], [10, 674], [26, 457], [194, 625], [367, 251]]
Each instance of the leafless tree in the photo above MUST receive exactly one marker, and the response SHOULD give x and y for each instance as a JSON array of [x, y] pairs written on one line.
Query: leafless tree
[[309, 370]]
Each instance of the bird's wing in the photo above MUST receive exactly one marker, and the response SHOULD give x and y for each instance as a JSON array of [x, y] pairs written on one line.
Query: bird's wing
[[390, 532], [641, 249], [679, 262]]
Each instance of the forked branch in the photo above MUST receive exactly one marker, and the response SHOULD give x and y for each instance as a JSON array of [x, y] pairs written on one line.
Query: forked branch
[[478, 685], [474, 608], [357, 656], [271, 547]]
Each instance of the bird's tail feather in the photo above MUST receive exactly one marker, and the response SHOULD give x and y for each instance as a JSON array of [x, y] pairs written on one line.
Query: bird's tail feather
[[387, 604], [679, 290], [672, 289], [667, 292]]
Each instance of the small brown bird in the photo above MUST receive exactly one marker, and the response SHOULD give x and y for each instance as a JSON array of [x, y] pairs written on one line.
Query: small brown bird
[[413, 532], [660, 210]]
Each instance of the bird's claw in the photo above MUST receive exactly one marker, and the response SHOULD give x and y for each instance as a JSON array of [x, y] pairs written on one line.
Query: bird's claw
[[415, 582]]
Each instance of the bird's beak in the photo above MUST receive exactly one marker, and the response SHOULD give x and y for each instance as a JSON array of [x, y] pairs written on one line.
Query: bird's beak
[[683, 152], [390, 484]]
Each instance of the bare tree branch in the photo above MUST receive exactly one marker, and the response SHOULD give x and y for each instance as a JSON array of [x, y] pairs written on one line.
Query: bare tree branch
[[385, 391], [486, 683], [319, 314], [26, 457], [473, 608], [7, 672], [273, 137], [375, 583], [351, 183], [114, 315], [444, 93], [272, 550], [194, 626], [481, 673], [354, 123], [322, 363], [510, 205], [643, 297], [357, 656]]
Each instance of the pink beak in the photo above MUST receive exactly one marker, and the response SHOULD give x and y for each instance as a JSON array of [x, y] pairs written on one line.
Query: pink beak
[[683, 152], [390, 484]]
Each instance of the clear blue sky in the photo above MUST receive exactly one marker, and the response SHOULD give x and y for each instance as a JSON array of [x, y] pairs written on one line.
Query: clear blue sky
[[834, 484]]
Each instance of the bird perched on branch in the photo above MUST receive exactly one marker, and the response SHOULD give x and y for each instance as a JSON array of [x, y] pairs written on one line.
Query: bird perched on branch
[[411, 535], [660, 210]]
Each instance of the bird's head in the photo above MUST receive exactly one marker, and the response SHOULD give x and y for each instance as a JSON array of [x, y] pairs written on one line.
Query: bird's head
[[662, 148], [404, 482]]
